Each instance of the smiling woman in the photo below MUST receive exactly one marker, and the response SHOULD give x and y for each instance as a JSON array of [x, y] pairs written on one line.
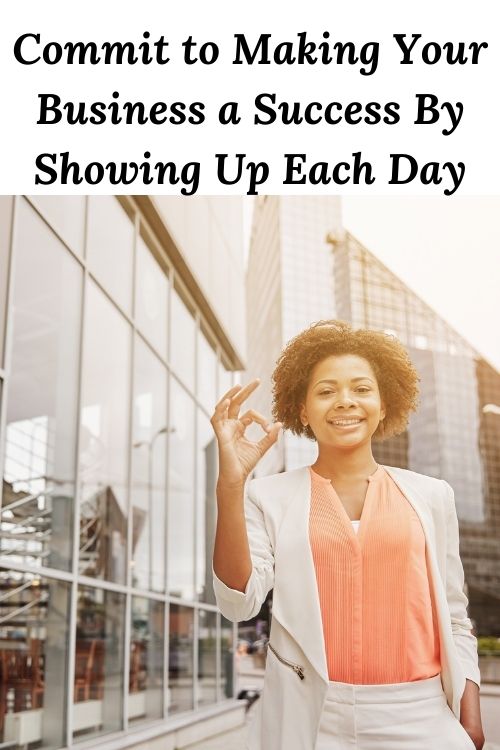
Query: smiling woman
[[340, 404], [383, 363], [386, 650]]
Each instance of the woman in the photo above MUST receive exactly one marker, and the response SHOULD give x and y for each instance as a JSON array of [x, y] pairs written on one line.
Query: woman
[[370, 644]]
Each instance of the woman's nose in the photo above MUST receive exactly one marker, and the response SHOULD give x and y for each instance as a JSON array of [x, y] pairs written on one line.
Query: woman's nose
[[344, 400]]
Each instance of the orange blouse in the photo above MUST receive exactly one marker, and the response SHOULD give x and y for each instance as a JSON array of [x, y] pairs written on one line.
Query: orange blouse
[[379, 617]]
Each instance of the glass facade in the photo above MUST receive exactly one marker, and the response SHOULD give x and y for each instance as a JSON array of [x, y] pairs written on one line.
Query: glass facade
[[34, 657], [41, 410], [450, 436], [111, 372], [104, 439], [146, 678]]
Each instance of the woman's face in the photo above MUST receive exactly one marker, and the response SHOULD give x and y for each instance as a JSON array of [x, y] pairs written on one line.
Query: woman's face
[[343, 406]]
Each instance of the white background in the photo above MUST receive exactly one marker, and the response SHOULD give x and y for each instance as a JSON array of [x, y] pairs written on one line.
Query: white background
[[476, 86]]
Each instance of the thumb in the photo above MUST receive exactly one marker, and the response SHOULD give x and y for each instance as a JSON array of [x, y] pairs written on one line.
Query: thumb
[[269, 439]]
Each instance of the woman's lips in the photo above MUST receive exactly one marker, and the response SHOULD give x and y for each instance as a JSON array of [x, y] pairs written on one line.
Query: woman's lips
[[347, 426]]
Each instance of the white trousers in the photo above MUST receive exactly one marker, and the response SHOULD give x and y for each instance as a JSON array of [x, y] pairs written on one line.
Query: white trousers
[[402, 716]]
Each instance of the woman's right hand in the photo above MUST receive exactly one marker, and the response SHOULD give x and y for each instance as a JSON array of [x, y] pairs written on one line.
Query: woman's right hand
[[237, 455]]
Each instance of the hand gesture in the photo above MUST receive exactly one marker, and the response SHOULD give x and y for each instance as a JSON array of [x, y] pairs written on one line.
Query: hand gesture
[[237, 455]]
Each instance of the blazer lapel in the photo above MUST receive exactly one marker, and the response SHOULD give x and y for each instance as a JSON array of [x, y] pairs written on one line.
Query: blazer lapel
[[419, 504], [296, 600], [421, 507]]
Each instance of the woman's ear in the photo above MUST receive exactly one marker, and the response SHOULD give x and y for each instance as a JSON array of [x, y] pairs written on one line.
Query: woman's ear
[[382, 412], [303, 415]]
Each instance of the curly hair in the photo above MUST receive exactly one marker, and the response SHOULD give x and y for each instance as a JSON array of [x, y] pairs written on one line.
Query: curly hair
[[396, 375]]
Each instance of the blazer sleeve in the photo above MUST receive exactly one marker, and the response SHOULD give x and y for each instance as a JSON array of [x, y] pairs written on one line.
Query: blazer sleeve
[[243, 605], [461, 626]]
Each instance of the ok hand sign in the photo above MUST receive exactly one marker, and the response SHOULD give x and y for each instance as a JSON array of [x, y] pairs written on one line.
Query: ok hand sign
[[237, 455]]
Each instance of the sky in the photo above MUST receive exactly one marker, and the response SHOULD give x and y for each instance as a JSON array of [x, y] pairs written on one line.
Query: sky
[[446, 249]]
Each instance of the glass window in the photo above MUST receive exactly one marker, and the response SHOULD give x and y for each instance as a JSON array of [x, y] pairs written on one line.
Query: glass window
[[6, 204], [149, 470], [104, 442], [180, 659], [181, 530], [226, 657], [207, 657], [110, 245], [66, 213], [98, 662], [151, 299], [206, 474], [145, 700], [207, 372], [34, 618], [421, 341], [41, 428], [182, 341]]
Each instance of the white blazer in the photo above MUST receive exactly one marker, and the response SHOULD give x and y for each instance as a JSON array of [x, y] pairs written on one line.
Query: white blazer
[[296, 678]]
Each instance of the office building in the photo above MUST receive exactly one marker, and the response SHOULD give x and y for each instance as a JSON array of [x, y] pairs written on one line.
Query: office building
[[121, 323]]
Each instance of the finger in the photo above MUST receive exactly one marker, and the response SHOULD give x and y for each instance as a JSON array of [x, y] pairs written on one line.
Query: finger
[[231, 392], [254, 416], [220, 414], [221, 408], [270, 438], [243, 394], [234, 390]]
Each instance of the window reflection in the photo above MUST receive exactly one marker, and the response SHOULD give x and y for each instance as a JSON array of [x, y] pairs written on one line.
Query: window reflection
[[98, 662], [110, 245], [206, 516], [207, 657], [34, 614], [182, 341], [145, 699], [104, 440], [180, 659], [181, 494], [151, 299], [148, 470], [39, 467]]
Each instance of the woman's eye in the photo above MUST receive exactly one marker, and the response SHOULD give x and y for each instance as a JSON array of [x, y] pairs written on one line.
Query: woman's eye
[[325, 393], [363, 389]]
